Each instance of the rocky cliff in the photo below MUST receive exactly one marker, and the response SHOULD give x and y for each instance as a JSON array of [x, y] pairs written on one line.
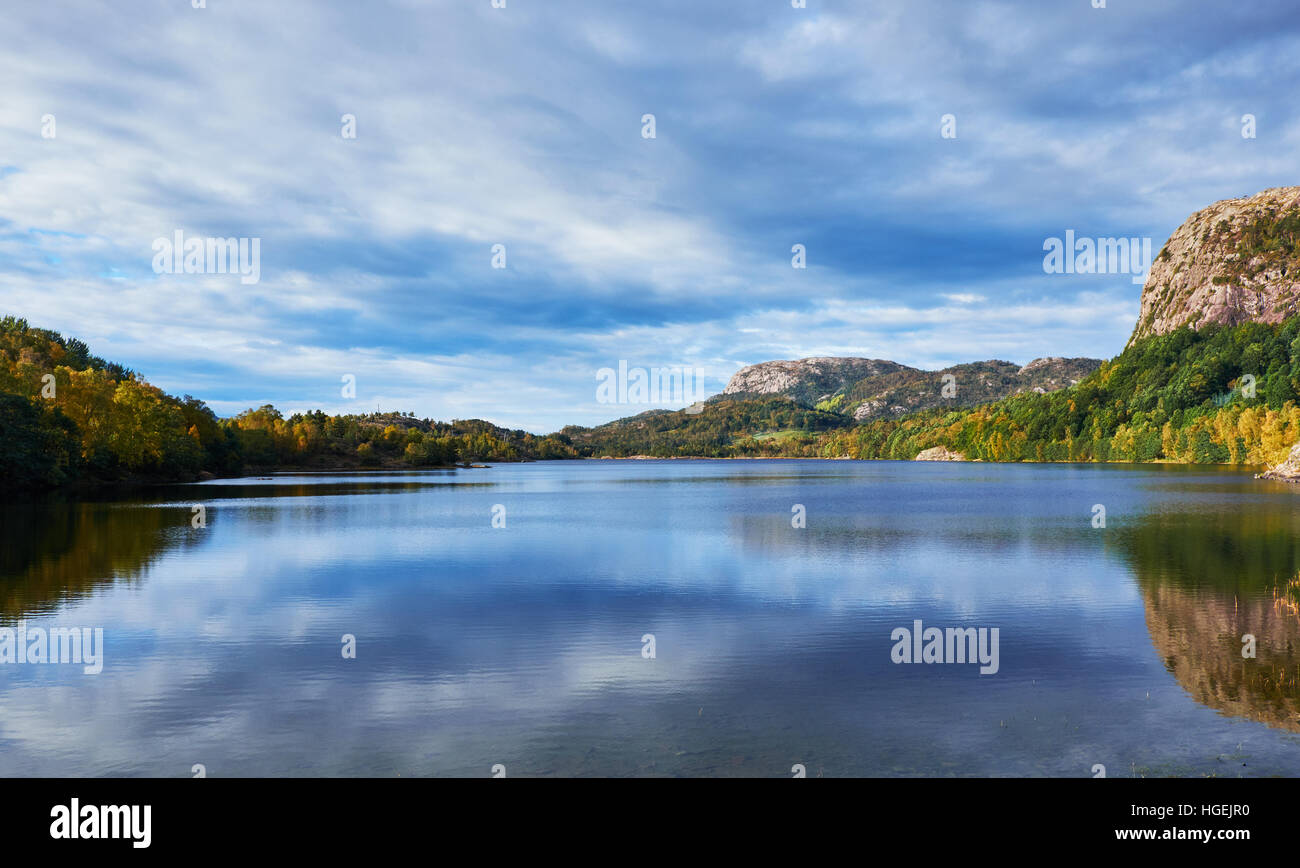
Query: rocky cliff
[[1235, 261]]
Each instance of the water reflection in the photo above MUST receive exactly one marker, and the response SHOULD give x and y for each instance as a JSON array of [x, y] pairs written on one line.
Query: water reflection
[[55, 552], [522, 645], [1209, 577]]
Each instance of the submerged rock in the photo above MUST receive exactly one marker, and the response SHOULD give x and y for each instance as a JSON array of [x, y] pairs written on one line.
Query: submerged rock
[[940, 453]]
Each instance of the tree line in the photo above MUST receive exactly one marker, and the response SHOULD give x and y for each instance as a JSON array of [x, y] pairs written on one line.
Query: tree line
[[69, 418]]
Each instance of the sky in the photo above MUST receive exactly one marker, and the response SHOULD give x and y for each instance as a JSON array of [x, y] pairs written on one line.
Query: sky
[[921, 152]]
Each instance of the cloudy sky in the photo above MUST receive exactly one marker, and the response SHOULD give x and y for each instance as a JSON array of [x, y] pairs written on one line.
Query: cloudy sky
[[478, 126]]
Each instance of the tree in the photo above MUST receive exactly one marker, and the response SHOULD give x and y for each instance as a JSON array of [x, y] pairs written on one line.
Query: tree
[[39, 446]]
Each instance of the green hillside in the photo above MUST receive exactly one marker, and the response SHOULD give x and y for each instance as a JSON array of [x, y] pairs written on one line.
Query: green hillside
[[70, 418], [1184, 396]]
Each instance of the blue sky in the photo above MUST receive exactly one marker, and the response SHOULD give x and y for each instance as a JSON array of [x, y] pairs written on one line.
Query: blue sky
[[522, 126]]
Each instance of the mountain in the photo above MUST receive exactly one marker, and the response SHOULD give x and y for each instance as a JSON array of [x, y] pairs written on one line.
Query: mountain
[[866, 389], [1210, 376], [1236, 261], [807, 381], [791, 407]]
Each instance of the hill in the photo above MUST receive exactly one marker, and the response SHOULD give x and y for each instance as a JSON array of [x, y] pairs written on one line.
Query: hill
[[1220, 395], [1236, 261], [721, 429], [866, 389], [68, 418]]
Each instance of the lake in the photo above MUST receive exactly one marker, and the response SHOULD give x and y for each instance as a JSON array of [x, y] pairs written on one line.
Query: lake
[[663, 618]]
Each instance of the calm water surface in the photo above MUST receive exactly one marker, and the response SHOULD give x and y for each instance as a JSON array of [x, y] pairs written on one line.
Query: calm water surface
[[522, 645]]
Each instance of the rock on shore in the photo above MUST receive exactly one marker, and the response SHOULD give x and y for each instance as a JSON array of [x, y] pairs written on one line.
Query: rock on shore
[[1287, 471], [940, 453]]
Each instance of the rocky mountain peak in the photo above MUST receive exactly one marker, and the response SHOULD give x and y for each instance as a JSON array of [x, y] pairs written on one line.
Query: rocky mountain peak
[[806, 380], [1236, 261]]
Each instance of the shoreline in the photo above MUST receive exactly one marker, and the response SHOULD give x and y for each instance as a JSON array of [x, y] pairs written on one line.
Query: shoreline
[[141, 483], [1160, 461], [93, 490]]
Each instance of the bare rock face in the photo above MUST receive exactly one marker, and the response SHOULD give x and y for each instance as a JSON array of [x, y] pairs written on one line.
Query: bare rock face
[[1053, 373], [868, 389], [1288, 470], [940, 453], [807, 380], [1233, 262], [970, 384]]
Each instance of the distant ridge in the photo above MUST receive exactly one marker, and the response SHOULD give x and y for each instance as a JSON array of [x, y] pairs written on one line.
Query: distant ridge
[[866, 389]]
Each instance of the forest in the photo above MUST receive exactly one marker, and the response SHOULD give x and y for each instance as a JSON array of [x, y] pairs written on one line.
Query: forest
[[69, 418]]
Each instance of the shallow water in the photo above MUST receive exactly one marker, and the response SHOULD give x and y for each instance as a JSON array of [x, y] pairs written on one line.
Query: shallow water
[[523, 646]]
